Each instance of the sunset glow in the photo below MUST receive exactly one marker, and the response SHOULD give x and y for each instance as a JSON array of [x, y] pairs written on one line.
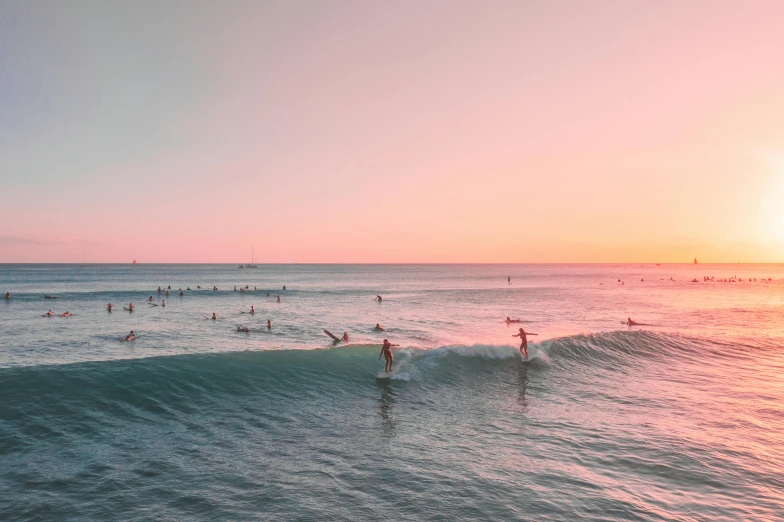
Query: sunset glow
[[372, 132]]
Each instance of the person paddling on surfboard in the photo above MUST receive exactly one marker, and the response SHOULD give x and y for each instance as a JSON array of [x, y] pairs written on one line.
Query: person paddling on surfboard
[[130, 337], [386, 351], [629, 322], [524, 342], [379, 328], [345, 337]]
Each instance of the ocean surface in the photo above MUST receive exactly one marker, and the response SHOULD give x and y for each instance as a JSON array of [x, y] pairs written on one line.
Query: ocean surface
[[681, 419]]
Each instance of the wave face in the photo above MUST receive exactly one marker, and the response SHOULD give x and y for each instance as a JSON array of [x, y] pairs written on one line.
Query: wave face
[[629, 425]]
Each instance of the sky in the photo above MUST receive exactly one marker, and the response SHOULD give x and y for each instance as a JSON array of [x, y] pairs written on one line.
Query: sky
[[385, 132]]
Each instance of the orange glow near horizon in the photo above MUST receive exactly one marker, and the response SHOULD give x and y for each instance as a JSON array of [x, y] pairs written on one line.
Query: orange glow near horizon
[[344, 132]]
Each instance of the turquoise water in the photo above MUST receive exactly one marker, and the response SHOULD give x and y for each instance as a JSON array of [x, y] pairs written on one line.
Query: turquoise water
[[682, 420]]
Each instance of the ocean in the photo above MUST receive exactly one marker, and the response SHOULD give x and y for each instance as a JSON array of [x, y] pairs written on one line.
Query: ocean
[[680, 419]]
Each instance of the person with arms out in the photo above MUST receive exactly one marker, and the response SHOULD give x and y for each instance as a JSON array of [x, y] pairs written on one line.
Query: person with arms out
[[109, 307], [524, 341], [386, 351]]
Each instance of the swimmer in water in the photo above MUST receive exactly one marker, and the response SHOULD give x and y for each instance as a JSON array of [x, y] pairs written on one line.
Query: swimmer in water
[[284, 287], [163, 303], [151, 299], [378, 298], [513, 320], [109, 307], [214, 317], [181, 294], [130, 307], [345, 337], [629, 322], [278, 298], [66, 314], [252, 310], [269, 325], [130, 337], [8, 295], [243, 329], [49, 313], [379, 328], [386, 351], [524, 341]]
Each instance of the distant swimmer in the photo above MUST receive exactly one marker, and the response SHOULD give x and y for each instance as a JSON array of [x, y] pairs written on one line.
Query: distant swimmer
[[198, 287], [629, 322], [8, 295], [167, 293], [378, 298], [235, 288], [151, 299], [181, 294], [379, 328], [66, 314], [188, 289], [159, 290], [109, 307], [168, 287], [513, 320], [214, 288], [386, 351], [163, 303], [278, 298], [252, 310], [130, 337], [345, 337], [509, 280], [49, 313], [524, 341], [269, 325], [214, 317], [284, 287], [243, 329], [130, 307]]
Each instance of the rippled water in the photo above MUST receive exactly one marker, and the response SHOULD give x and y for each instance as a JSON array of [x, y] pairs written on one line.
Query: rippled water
[[680, 420]]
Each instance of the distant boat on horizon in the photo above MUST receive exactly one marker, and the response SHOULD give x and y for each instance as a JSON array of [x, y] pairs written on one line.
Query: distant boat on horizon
[[252, 263], [84, 263]]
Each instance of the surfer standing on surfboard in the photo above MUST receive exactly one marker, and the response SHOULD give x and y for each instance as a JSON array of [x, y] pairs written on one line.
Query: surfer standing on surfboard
[[386, 351], [524, 342]]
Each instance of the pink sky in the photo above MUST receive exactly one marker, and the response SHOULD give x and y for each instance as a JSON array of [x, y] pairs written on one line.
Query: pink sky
[[403, 132]]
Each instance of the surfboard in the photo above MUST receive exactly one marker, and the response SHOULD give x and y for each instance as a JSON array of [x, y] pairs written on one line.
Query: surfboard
[[127, 309], [336, 339], [385, 376]]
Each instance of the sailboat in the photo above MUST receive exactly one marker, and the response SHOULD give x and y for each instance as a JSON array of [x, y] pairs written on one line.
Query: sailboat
[[84, 265], [252, 263]]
